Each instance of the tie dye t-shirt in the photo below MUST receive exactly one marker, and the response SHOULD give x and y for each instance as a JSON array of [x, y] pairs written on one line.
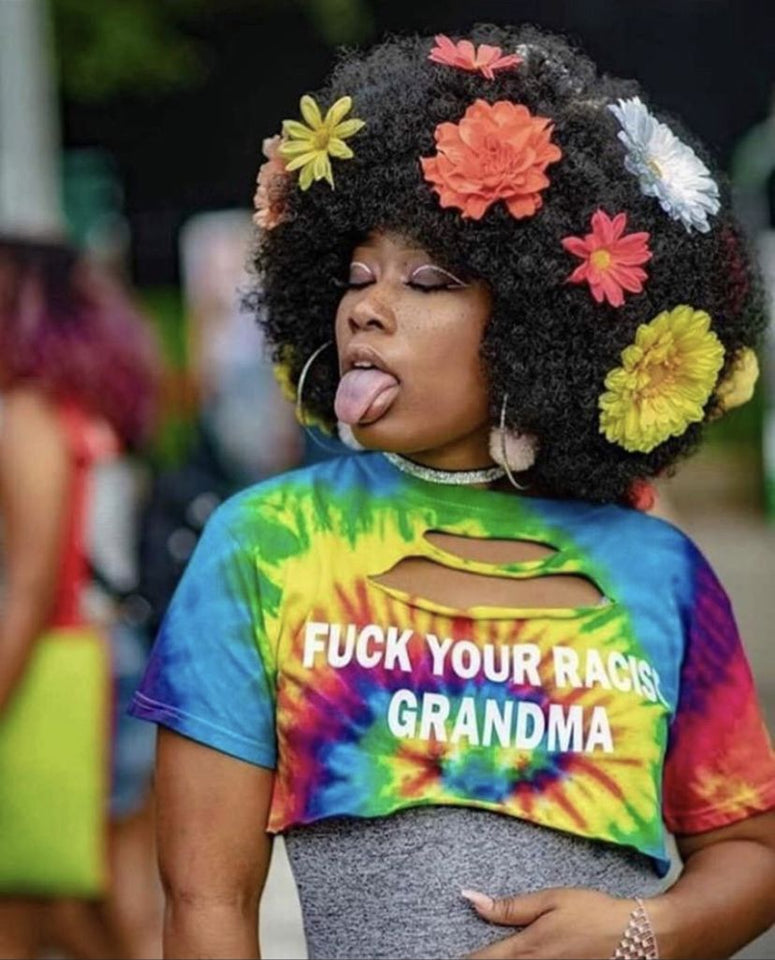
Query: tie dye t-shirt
[[608, 721]]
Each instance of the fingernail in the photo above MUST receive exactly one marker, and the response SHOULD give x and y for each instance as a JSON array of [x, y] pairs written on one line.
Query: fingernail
[[480, 900]]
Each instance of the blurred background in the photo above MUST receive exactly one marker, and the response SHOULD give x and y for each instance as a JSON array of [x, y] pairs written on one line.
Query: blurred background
[[134, 129]]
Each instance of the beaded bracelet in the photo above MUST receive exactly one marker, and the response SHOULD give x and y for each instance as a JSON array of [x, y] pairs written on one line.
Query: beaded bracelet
[[638, 940]]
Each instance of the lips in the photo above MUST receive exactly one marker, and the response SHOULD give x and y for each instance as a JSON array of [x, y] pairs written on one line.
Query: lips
[[367, 390]]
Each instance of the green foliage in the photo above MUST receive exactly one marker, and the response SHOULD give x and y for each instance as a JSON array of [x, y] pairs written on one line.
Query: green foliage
[[113, 47], [106, 48], [341, 21]]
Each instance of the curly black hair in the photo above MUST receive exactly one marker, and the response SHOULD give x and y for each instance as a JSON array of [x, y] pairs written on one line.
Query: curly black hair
[[548, 344]]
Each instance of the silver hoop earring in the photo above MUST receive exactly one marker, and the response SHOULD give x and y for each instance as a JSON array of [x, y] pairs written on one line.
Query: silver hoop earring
[[328, 447], [514, 451]]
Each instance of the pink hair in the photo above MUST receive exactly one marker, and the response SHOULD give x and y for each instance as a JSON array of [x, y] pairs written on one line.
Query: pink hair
[[71, 330]]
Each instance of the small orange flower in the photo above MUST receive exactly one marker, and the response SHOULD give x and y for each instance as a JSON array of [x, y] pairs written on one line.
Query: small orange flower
[[612, 261], [269, 200], [498, 151], [485, 60]]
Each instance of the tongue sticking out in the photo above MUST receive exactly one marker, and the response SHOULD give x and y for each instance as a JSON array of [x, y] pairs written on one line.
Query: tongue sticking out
[[364, 395]]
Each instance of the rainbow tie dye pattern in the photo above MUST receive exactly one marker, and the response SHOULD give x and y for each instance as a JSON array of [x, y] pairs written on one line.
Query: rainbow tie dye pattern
[[282, 649]]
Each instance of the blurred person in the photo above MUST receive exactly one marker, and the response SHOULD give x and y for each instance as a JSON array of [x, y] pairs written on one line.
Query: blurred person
[[243, 412], [464, 673], [244, 429], [77, 382]]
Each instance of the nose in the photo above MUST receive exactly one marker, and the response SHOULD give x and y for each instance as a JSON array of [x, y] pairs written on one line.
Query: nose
[[372, 312]]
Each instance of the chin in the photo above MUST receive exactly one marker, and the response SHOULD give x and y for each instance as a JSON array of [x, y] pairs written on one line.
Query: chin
[[395, 435], [374, 436]]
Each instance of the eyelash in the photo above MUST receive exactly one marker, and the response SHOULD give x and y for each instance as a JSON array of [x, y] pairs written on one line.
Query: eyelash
[[423, 288]]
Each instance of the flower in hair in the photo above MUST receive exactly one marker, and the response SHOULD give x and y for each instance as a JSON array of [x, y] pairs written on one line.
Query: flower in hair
[[664, 382], [309, 147], [282, 374], [269, 199], [484, 59], [498, 151], [612, 259], [738, 385], [667, 168], [288, 385]]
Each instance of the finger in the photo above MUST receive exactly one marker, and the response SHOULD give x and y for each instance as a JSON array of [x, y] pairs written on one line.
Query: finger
[[511, 911]]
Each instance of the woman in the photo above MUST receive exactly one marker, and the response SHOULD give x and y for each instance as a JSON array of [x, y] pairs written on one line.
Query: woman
[[461, 662], [77, 378]]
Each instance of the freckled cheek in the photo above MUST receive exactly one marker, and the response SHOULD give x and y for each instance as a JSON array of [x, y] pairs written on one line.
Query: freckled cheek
[[445, 364]]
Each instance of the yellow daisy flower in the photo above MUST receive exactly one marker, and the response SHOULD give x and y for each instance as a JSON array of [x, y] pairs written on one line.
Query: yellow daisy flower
[[309, 147], [664, 382], [737, 387]]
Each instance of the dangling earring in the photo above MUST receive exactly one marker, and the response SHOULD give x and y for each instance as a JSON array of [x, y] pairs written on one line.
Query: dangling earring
[[514, 451], [343, 429], [328, 447]]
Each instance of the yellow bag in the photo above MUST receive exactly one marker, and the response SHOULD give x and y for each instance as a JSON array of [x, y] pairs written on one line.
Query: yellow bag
[[54, 768]]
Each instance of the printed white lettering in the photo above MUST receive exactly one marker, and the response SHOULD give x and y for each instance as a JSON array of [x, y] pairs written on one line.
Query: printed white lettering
[[435, 710], [466, 659], [438, 652], [566, 667], [314, 642], [530, 725], [402, 714], [565, 728], [396, 650], [465, 723], [362, 655], [599, 732]]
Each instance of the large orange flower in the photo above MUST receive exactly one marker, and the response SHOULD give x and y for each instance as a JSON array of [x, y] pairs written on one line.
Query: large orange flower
[[498, 151]]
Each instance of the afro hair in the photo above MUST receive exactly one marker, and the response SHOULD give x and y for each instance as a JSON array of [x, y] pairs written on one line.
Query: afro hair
[[548, 345]]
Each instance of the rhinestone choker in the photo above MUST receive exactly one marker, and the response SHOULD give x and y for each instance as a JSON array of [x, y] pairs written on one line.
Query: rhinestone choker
[[451, 477]]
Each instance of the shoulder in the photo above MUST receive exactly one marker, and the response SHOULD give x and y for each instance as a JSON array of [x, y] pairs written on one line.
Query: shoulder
[[632, 544], [31, 426], [294, 504], [28, 409]]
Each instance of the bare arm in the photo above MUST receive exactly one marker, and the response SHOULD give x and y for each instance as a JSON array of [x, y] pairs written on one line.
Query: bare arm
[[725, 896], [35, 474], [214, 850]]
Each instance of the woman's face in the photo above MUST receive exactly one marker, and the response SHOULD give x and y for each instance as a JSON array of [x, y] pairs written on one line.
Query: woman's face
[[408, 334]]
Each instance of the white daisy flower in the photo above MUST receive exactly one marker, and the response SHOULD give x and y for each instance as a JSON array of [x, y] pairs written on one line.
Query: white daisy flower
[[666, 168]]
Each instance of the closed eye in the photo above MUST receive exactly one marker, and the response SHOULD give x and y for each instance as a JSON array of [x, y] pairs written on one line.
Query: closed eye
[[361, 275], [430, 287], [430, 277]]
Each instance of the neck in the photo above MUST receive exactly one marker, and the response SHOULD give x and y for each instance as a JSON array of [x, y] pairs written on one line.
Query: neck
[[466, 453], [467, 461]]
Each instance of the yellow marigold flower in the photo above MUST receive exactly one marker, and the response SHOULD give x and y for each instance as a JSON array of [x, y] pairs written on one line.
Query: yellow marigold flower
[[664, 382], [737, 387], [309, 147], [282, 374]]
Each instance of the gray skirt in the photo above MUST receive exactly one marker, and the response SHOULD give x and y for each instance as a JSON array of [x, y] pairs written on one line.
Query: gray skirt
[[390, 887]]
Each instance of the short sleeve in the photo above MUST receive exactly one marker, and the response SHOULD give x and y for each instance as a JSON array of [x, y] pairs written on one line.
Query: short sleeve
[[210, 676], [720, 766]]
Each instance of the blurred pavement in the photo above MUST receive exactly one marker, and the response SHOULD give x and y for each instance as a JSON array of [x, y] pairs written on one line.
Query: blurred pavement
[[712, 500]]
